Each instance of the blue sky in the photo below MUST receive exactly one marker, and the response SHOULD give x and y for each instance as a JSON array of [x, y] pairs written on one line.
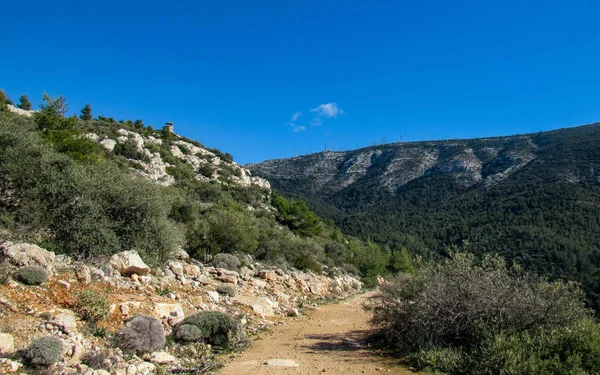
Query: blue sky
[[234, 74]]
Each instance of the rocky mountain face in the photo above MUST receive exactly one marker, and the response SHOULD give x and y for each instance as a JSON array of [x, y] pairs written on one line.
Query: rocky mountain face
[[470, 163]]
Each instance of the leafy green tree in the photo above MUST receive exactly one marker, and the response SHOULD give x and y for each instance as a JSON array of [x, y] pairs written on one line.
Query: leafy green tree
[[24, 103], [86, 113], [296, 215]]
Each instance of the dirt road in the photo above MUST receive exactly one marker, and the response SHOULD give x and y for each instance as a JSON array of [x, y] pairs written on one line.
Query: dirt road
[[327, 340]]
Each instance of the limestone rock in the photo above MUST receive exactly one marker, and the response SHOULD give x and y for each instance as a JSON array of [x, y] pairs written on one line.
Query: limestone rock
[[84, 275], [7, 343], [267, 275], [19, 111], [260, 305], [24, 254], [162, 358], [228, 279], [65, 320], [108, 144], [128, 263], [172, 312]]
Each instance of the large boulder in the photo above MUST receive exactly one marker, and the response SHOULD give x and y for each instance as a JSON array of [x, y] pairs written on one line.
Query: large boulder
[[24, 254], [128, 263]]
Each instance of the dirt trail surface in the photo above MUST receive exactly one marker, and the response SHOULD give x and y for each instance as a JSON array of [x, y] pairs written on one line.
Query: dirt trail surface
[[327, 340]]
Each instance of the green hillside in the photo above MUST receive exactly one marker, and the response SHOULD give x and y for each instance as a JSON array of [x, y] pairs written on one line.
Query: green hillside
[[532, 198]]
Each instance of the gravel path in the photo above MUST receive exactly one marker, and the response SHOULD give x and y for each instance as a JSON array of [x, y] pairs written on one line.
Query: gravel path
[[327, 340]]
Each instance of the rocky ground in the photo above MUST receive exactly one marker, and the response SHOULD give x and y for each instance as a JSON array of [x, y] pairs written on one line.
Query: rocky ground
[[262, 296]]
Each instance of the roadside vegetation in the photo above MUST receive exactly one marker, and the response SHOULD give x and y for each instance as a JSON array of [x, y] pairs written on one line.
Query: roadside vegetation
[[461, 316]]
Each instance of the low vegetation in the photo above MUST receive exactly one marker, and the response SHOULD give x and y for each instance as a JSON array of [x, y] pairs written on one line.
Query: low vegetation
[[31, 275], [212, 327], [92, 306], [466, 317], [43, 351], [142, 334]]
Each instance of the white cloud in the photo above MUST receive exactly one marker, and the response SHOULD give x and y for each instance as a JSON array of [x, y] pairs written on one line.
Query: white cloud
[[296, 116], [299, 128], [316, 121], [329, 110]]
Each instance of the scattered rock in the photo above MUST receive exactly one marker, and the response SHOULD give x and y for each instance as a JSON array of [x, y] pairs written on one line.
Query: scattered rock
[[267, 275], [64, 283], [65, 321], [214, 296], [293, 312], [260, 305], [128, 263], [84, 275], [230, 279], [162, 358]]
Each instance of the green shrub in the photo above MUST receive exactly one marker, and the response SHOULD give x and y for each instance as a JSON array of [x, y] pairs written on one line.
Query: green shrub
[[226, 290], [142, 334], [83, 210], [462, 317], [212, 327], [44, 351], [92, 306], [31, 275], [227, 261]]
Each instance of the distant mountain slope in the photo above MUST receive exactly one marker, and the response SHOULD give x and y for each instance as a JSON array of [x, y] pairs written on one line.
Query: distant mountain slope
[[534, 198]]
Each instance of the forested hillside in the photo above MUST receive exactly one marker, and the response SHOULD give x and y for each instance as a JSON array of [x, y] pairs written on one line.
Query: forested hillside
[[531, 198], [90, 187]]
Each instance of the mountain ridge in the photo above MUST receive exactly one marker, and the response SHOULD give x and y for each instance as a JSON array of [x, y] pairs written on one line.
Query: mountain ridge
[[532, 198]]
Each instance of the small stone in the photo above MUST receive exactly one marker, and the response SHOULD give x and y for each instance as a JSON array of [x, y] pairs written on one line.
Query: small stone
[[124, 309], [134, 277], [267, 275], [65, 284], [84, 275], [65, 321], [162, 358], [293, 312]]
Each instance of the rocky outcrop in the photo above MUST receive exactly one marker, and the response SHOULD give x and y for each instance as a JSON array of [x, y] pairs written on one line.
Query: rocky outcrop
[[23, 254], [19, 111]]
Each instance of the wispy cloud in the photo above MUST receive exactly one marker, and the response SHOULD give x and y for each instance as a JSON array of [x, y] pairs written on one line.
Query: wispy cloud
[[329, 110], [324, 111], [296, 116]]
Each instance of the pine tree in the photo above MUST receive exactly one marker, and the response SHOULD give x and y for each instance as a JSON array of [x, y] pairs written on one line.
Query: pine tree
[[4, 100], [86, 112], [24, 103]]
